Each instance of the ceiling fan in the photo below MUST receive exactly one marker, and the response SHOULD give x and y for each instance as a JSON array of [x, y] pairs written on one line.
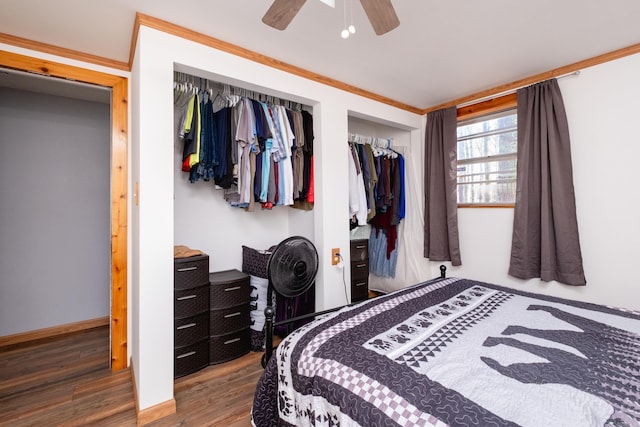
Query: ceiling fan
[[381, 14]]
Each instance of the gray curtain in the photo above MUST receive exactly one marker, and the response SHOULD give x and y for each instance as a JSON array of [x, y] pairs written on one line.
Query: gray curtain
[[545, 241], [440, 186]]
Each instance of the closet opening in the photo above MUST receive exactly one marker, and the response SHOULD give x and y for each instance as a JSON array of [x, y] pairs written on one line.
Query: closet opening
[[65, 162], [257, 192], [388, 229], [223, 226]]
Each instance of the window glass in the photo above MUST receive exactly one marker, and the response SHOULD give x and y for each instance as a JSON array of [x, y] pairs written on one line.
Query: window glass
[[487, 148]]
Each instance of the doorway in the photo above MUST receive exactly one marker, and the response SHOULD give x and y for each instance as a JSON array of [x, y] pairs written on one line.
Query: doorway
[[118, 184]]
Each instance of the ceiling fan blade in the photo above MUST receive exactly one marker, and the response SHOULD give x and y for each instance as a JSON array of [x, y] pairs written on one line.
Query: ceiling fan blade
[[381, 15], [281, 13]]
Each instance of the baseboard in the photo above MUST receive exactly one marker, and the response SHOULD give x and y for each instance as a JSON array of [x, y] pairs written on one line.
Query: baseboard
[[155, 412], [53, 331]]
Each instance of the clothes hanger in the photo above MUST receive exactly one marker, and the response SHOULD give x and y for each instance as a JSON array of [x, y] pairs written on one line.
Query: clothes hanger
[[218, 102]]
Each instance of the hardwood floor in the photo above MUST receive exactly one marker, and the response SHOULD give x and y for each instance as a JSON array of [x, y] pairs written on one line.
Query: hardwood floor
[[66, 381]]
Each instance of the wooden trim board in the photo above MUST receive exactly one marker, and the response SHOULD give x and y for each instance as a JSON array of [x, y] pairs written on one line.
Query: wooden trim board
[[64, 52], [53, 331], [155, 412], [536, 78], [185, 33], [167, 27]]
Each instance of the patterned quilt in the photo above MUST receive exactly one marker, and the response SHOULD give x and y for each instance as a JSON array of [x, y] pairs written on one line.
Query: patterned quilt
[[457, 352]]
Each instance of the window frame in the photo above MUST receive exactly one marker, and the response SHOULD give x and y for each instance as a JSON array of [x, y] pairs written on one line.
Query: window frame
[[485, 108]]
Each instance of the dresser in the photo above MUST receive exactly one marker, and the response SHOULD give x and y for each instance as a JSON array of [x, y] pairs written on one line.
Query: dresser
[[359, 251], [191, 314], [229, 319]]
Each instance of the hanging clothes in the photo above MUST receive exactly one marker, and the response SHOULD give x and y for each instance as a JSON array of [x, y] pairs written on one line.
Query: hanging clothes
[[223, 171], [246, 139], [255, 151], [379, 263], [268, 190], [377, 197], [207, 142], [305, 198], [357, 196], [263, 134], [295, 118], [191, 133]]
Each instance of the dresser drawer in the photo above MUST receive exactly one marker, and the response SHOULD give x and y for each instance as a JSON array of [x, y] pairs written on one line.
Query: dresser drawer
[[359, 270], [223, 348], [359, 250], [228, 320], [191, 272], [229, 289], [190, 329], [188, 302], [190, 358], [359, 290]]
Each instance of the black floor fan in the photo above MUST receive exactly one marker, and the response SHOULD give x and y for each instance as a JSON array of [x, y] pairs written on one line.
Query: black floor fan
[[291, 271]]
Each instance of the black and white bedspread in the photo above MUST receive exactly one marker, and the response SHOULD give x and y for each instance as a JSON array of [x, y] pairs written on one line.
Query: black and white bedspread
[[460, 353]]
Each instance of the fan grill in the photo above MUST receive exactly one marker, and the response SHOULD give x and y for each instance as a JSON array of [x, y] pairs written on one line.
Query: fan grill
[[293, 266]]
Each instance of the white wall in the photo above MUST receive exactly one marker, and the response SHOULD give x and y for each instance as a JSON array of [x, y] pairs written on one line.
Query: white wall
[[157, 55], [134, 215], [602, 111], [54, 215], [205, 221], [152, 284]]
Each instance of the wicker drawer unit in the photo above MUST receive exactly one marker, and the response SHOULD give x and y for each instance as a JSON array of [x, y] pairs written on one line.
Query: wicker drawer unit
[[191, 329], [191, 314], [190, 358], [223, 348], [359, 269], [191, 301], [229, 318], [191, 272]]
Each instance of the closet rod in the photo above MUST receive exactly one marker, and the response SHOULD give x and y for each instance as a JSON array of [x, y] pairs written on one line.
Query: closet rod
[[372, 140], [47, 77], [227, 89], [52, 85]]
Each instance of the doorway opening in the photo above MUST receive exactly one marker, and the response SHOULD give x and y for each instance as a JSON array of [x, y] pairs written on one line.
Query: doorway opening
[[118, 177]]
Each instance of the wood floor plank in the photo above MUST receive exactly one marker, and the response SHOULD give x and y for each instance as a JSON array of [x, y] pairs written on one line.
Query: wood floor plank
[[26, 379], [66, 382], [21, 407], [103, 383]]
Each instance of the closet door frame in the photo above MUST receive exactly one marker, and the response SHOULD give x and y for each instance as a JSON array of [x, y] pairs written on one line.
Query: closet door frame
[[118, 178]]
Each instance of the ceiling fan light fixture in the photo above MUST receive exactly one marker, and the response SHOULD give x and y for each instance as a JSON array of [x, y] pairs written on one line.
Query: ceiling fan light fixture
[[351, 29], [381, 14]]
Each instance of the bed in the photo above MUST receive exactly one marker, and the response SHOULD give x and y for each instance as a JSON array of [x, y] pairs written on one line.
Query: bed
[[457, 352]]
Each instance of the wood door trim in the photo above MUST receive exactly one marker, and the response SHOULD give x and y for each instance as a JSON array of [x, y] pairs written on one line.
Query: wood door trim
[[119, 180]]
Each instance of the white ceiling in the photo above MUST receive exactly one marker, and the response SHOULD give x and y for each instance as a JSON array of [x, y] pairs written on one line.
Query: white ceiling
[[442, 50]]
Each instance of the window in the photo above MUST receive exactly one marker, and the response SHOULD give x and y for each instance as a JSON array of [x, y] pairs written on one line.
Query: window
[[487, 149]]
